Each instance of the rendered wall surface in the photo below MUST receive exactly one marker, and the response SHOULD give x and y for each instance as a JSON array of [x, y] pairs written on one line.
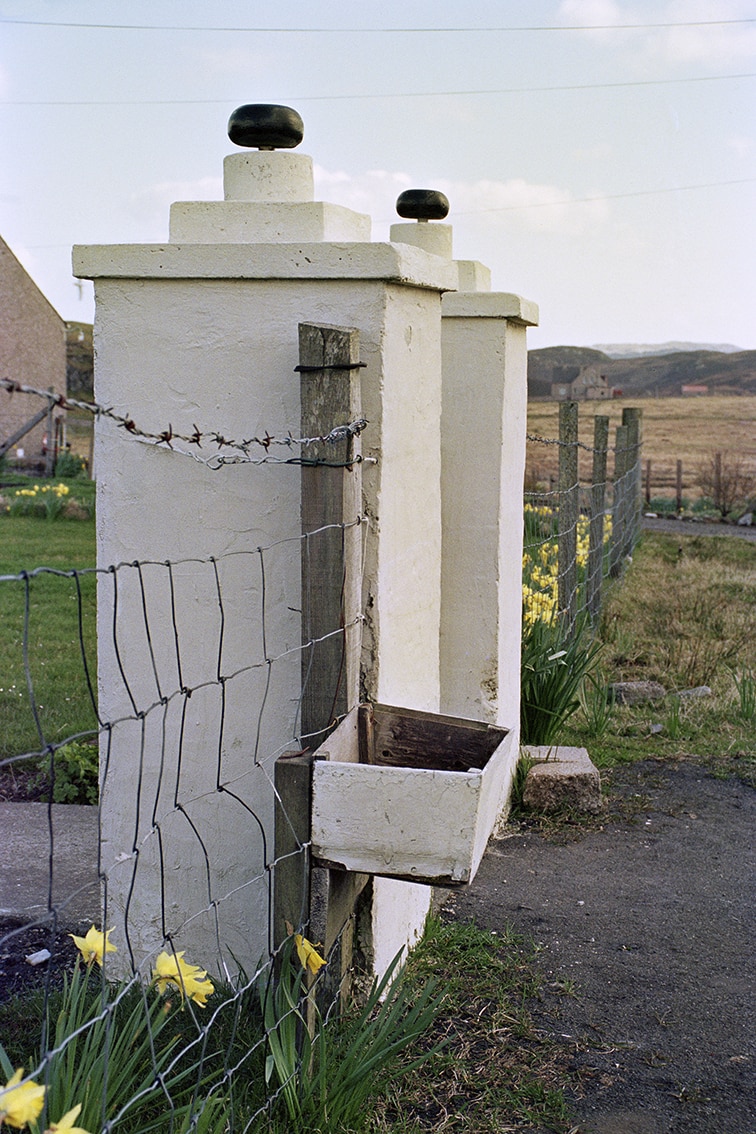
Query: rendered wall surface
[[483, 463], [221, 352], [32, 349]]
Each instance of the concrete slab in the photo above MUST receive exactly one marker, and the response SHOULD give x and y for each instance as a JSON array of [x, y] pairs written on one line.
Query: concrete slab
[[48, 855], [562, 777]]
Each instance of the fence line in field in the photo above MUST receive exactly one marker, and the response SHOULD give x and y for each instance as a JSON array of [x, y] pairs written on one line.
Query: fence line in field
[[583, 530]]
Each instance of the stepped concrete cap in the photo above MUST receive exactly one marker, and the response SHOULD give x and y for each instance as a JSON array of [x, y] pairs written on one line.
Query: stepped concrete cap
[[433, 237], [245, 222], [395, 263], [490, 305], [473, 276], [274, 176], [562, 778]]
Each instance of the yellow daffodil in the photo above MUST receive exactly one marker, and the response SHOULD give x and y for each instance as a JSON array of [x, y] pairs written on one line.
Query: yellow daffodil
[[308, 954], [172, 971], [67, 1123], [94, 946], [306, 951], [22, 1103]]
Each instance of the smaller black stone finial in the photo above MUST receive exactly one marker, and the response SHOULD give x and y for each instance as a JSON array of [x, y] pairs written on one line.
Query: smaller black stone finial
[[266, 127], [422, 204]]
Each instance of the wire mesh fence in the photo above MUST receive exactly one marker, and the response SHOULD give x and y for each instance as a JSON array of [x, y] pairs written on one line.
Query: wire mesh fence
[[164, 757], [165, 691], [582, 528]]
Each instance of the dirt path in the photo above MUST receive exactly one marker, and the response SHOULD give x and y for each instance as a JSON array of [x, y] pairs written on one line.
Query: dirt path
[[647, 926], [692, 528]]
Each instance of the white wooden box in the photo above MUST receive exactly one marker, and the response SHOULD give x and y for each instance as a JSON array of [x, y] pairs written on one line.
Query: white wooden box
[[409, 795]]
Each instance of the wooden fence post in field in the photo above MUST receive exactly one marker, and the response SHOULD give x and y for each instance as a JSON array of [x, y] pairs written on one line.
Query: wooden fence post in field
[[331, 633], [679, 487], [718, 502], [619, 509], [569, 488], [648, 481], [596, 531], [632, 417]]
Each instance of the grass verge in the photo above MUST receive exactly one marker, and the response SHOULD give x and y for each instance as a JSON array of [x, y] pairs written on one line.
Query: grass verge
[[685, 617], [496, 1073]]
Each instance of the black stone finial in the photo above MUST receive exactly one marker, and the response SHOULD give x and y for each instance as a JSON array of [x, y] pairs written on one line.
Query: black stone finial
[[265, 126], [422, 204]]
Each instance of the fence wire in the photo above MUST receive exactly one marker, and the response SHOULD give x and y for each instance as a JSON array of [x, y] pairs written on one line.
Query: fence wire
[[186, 722], [582, 521]]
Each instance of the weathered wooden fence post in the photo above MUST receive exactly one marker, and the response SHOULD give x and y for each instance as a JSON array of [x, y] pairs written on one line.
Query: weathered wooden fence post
[[718, 501], [569, 487], [678, 486], [321, 899], [632, 418], [619, 510], [331, 556], [648, 481], [596, 531]]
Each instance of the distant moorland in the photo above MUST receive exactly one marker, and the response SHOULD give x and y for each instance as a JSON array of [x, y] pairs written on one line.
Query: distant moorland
[[660, 375], [691, 430]]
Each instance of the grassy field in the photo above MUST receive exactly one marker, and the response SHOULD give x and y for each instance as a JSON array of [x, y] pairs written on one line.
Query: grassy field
[[684, 616], [47, 627], [686, 429]]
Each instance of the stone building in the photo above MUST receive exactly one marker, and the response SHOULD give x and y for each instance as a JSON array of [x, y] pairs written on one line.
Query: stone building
[[32, 351], [580, 383]]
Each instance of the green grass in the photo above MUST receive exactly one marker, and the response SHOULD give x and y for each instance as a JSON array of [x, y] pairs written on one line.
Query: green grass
[[685, 616], [496, 1072], [41, 617]]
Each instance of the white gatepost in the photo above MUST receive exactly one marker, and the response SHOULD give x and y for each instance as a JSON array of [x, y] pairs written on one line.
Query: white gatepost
[[201, 332], [484, 422]]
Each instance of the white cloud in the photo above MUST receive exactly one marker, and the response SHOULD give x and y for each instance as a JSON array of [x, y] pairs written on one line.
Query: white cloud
[[593, 14], [713, 44], [741, 146], [539, 207], [373, 192], [150, 206]]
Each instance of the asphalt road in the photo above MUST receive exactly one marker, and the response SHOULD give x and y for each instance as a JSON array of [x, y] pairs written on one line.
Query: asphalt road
[[649, 922]]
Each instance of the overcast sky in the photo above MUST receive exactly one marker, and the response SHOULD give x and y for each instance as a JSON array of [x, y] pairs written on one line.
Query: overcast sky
[[606, 172]]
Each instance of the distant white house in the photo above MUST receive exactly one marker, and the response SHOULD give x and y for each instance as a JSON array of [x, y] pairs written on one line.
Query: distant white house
[[580, 383], [32, 351]]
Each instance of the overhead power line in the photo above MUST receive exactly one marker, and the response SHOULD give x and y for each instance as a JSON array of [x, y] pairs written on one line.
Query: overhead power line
[[374, 31], [538, 204], [602, 197], [384, 95]]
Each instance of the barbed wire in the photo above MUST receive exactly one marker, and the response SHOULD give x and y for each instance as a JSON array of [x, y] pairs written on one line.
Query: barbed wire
[[537, 439], [339, 433]]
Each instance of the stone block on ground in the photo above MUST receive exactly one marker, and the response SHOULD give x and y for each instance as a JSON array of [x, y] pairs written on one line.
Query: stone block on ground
[[636, 692], [562, 777]]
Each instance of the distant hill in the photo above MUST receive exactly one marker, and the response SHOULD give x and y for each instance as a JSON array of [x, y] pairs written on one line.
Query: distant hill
[[637, 350], [660, 375]]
